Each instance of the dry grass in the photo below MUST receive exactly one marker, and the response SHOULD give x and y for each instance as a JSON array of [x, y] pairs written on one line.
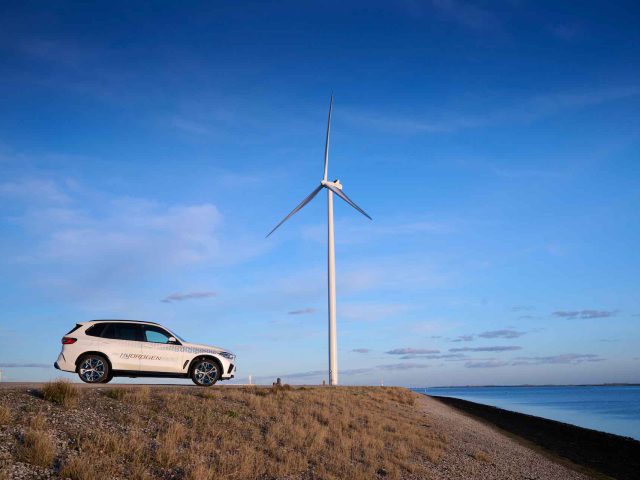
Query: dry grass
[[61, 391], [285, 432], [5, 415], [37, 447], [481, 456], [38, 422], [134, 395], [245, 433], [77, 468]]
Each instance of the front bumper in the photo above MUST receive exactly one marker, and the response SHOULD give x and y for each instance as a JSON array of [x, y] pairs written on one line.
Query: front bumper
[[229, 372]]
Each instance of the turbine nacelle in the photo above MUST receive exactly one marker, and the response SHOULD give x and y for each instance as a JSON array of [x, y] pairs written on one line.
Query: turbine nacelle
[[335, 184]]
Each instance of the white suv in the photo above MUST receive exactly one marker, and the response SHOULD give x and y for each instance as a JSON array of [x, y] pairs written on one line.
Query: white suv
[[102, 349]]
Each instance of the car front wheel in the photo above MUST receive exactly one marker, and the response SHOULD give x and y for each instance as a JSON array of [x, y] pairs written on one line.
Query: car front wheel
[[205, 372], [94, 369]]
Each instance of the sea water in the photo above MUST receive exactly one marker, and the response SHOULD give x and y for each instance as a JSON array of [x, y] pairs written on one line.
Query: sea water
[[613, 409]]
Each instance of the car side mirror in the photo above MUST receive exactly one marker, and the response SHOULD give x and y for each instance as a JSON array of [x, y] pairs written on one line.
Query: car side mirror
[[173, 340]]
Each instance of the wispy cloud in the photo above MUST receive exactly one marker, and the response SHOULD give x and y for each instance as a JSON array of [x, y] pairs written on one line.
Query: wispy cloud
[[444, 356], [179, 297], [586, 314], [104, 243], [466, 14], [566, 358], [412, 351], [523, 308], [33, 190], [566, 32], [504, 333], [521, 111], [491, 363], [370, 311], [303, 311], [354, 233], [25, 365], [463, 338], [189, 126], [57, 52], [359, 371], [361, 350], [562, 359], [498, 348]]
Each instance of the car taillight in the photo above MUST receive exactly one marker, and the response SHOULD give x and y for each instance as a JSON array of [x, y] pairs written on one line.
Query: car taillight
[[68, 340]]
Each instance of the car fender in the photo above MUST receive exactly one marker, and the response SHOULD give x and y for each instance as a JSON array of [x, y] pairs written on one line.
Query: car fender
[[203, 356]]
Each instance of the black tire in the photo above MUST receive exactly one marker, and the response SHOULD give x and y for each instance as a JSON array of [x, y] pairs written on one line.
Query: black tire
[[94, 369], [205, 372]]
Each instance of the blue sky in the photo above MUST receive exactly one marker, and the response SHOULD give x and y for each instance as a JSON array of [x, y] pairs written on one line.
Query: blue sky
[[147, 148]]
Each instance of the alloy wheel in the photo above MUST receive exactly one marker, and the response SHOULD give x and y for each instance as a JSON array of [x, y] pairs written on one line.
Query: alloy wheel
[[92, 370], [206, 373]]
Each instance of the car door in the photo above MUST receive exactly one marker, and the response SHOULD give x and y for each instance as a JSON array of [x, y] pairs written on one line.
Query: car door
[[158, 355], [122, 344]]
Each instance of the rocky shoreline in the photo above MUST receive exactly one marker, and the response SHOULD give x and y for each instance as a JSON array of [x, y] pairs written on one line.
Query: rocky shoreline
[[612, 455]]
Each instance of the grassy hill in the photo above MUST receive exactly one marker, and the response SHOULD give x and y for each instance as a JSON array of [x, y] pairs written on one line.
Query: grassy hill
[[61, 431]]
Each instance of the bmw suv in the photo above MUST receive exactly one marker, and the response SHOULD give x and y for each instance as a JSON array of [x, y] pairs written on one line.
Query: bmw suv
[[99, 350]]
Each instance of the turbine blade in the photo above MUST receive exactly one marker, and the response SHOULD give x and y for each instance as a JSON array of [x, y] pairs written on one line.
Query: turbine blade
[[326, 145], [295, 210], [343, 196]]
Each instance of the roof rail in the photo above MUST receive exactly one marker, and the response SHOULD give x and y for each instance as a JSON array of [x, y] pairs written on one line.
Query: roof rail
[[121, 320]]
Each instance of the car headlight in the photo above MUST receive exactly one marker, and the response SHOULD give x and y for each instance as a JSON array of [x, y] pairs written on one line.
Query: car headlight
[[228, 355]]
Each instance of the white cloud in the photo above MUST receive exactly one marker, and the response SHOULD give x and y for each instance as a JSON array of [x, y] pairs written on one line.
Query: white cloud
[[80, 242], [135, 231]]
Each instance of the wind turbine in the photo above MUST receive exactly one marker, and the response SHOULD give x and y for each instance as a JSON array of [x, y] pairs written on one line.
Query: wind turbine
[[332, 187]]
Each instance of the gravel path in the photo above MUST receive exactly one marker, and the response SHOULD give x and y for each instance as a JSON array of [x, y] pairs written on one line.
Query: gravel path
[[478, 451]]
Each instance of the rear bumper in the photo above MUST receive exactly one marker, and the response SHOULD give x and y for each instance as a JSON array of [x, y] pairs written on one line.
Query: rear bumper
[[63, 364]]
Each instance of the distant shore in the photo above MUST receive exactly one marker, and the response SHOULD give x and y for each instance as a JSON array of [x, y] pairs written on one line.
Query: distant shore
[[551, 385], [607, 453]]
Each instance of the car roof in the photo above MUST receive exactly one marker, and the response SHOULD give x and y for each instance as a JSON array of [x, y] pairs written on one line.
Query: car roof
[[122, 321]]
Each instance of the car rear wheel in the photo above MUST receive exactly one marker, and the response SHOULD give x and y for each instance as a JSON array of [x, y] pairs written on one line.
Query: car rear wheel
[[94, 369], [205, 372]]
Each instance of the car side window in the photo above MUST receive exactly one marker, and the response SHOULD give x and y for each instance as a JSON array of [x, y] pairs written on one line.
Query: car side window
[[156, 335], [122, 331], [96, 330]]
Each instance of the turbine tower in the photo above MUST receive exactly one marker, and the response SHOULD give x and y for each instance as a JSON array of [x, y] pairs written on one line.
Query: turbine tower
[[332, 187]]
